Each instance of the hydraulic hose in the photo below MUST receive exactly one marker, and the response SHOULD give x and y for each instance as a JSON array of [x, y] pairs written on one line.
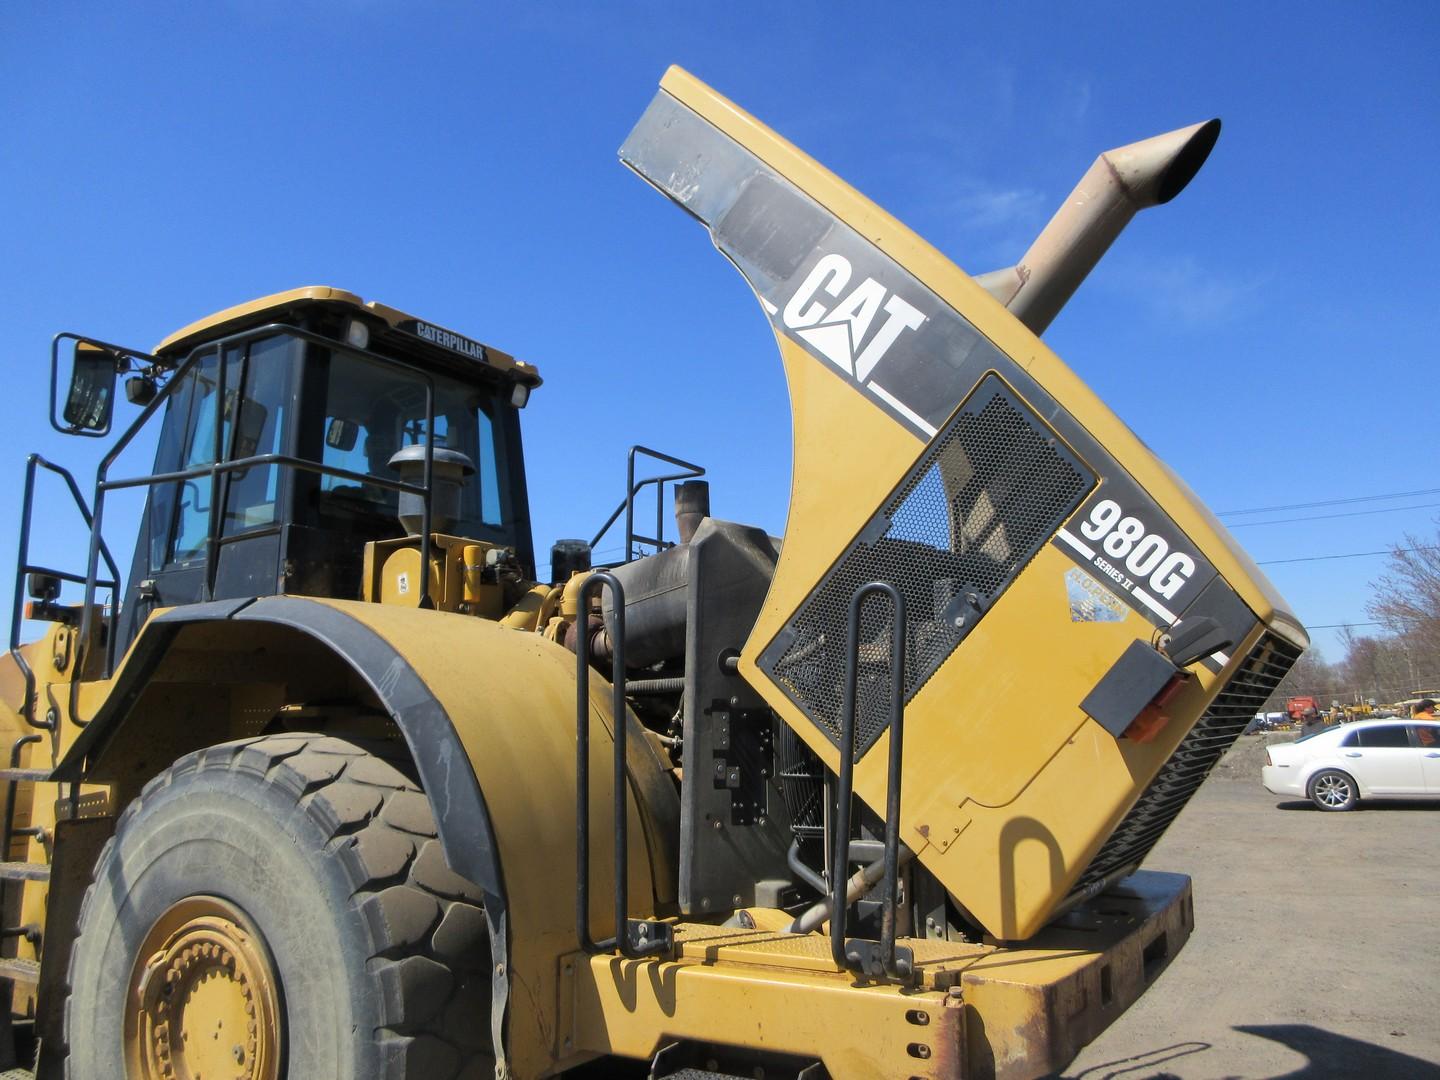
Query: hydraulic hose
[[861, 882]]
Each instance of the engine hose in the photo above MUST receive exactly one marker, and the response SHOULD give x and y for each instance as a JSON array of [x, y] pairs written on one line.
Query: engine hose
[[861, 882], [655, 686], [803, 872]]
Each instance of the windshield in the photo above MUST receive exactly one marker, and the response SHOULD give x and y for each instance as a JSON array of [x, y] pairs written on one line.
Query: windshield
[[372, 410]]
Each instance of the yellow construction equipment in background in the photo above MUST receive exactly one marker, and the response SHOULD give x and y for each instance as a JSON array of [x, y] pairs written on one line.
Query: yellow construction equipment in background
[[329, 784]]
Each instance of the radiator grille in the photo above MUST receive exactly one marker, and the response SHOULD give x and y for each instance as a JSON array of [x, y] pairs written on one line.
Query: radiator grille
[[993, 487], [1193, 759]]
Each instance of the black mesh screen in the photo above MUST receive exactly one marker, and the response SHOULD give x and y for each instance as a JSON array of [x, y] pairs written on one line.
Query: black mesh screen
[[801, 778], [1213, 734], [992, 488]]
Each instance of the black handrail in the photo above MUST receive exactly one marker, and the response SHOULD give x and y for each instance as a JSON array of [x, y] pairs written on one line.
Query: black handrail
[[220, 468], [635, 938], [7, 829], [24, 567], [844, 955], [627, 505]]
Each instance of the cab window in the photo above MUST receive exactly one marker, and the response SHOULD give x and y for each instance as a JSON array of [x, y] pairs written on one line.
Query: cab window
[[167, 457], [192, 521], [373, 410], [251, 421], [259, 415]]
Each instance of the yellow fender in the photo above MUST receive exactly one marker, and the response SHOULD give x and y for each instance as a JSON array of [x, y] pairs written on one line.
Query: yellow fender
[[489, 716]]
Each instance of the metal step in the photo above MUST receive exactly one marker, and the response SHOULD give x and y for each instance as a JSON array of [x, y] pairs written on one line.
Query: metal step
[[19, 970], [24, 871], [24, 775]]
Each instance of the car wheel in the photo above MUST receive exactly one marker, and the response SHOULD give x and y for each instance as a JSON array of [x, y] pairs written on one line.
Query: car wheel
[[1331, 789], [279, 907]]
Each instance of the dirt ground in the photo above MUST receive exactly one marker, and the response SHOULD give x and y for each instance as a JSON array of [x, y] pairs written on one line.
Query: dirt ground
[[1316, 950]]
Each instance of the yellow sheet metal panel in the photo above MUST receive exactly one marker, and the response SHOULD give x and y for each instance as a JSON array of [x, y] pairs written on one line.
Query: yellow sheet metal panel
[[1032, 1009], [934, 960], [939, 445], [1026, 1011], [957, 289], [511, 697], [633, 1008], [837, 443]]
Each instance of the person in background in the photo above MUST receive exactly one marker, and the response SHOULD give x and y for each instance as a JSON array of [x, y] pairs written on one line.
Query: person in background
[[1425, 710]]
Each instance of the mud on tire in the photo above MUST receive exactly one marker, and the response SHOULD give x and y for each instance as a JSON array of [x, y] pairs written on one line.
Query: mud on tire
[[380, 952]]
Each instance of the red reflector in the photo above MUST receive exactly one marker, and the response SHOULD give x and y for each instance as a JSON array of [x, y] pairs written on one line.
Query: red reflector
[[1170, 689], [1147, 725], [1153, 717]]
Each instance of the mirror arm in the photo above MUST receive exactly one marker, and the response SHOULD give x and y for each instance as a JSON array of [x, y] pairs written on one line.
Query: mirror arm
[[123, 355]]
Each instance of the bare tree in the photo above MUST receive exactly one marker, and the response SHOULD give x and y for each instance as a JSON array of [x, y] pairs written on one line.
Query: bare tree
[[1373, 668], [1310, 677], [1407, 604]]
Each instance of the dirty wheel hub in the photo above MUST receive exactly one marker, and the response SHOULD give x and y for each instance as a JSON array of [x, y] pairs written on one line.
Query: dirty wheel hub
[[203, 1002]]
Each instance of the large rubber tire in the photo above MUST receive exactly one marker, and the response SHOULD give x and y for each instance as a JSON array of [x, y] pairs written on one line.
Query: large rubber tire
[[380, 952], [1333, 791]]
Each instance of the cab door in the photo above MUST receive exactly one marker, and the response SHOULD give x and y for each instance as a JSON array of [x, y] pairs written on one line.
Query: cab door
[[178, 512], [1384, 761], [1426, 739], [244, 415]]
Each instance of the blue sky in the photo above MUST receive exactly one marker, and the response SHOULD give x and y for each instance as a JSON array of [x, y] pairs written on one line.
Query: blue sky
[[1271, 333]]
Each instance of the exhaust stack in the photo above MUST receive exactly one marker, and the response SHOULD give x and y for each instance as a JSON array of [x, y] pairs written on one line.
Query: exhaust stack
[[1120, 183]]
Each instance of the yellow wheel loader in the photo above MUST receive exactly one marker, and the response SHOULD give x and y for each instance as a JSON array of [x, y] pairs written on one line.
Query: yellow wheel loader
[[330, 784]]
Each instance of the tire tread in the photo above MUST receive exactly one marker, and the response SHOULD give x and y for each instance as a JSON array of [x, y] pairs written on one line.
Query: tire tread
[[371, 822]]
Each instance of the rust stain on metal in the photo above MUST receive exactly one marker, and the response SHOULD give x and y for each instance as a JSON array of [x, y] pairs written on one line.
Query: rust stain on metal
[[949, 1052]]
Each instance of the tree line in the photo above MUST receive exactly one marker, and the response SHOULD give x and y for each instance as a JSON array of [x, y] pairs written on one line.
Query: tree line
[[1400, 660]]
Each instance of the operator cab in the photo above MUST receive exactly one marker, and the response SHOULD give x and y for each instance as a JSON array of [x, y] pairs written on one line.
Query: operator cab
[[319, 377]]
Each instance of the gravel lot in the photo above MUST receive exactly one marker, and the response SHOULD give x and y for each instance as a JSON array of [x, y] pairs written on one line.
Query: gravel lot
[[1316, 950]]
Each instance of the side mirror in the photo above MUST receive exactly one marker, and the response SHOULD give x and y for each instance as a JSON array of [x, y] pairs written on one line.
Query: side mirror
[[91, 400], [141, 389], [341, 435]]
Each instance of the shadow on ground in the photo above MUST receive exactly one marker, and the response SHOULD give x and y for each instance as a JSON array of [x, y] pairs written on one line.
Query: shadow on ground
[[1140, 1066], [1333, 1055], [1382, 806], [1329, 1057]]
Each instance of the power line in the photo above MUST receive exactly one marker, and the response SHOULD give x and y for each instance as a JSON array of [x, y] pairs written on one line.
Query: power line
[[1387, 622], [1326, 517], [1330, 502], [1351, 555]]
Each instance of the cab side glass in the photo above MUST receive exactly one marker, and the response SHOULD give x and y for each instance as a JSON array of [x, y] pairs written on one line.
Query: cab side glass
[[91, 400], [1387, 735]]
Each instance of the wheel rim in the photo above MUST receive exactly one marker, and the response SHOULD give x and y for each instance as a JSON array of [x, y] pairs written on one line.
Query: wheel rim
[[203, 1000], [1332, 791]]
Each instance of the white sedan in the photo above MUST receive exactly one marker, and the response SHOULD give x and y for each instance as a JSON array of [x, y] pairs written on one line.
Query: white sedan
[[1370, 759]]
